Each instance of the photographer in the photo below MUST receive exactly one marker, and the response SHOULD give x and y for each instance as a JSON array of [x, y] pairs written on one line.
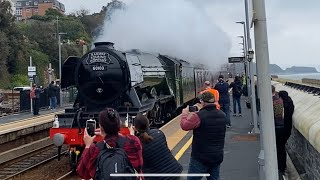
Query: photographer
[[209, 129], [157, 157]]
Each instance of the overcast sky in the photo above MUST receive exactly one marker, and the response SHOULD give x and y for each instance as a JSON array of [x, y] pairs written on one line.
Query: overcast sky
[[293, 26]]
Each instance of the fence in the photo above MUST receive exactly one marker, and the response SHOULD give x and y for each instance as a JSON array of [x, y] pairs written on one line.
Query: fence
[[315, 82], [19, 101]]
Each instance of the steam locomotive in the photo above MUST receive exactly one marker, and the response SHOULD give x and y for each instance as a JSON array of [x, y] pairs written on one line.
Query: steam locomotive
[[131, 82]]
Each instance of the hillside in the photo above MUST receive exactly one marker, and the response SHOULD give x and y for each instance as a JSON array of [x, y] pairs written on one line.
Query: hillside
[[295, 70], [275, 69]]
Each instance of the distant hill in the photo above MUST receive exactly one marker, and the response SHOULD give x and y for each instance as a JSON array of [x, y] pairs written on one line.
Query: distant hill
[[295, 70], [275, 69]]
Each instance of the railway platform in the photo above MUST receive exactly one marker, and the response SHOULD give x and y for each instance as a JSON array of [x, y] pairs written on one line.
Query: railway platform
[[25, 132], [27, 115], [240, 153]]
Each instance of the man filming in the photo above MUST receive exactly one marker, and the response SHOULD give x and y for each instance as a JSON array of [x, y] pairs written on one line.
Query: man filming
[[209, 129]]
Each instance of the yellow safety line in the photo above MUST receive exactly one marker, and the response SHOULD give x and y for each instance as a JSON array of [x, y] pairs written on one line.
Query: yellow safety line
[[183, 149]]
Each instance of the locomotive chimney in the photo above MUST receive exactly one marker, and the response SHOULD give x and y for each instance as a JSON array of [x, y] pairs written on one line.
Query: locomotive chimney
[[105, 44]]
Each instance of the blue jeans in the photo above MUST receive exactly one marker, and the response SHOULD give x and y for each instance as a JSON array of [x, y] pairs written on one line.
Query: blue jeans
[[196, 167], [236, 100], [226, 109], [53, 102]]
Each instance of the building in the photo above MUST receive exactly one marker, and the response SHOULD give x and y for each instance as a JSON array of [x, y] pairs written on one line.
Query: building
[[13, 9], [24, 9]]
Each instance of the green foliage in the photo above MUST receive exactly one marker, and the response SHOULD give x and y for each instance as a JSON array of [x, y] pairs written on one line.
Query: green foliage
[[41, 61], [19, 80], [53, 13], [37, 37], [6, 18], [74, 29]]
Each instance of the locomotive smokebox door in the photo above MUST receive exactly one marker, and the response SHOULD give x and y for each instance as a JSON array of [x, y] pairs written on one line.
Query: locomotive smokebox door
[[102, 75]]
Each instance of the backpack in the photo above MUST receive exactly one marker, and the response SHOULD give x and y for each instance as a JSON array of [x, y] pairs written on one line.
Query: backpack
[[278, 108], [112, 161], [32, 93], [237, 89]]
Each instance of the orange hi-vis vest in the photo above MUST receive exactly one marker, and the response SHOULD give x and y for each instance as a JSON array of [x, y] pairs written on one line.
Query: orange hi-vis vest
[[215, 94]]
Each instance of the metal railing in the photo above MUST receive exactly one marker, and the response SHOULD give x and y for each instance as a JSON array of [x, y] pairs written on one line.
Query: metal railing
[[16, 102], [315, 90]]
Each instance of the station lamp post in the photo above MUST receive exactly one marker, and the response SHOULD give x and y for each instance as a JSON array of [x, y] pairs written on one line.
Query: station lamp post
[[250, 74], [60, 65]]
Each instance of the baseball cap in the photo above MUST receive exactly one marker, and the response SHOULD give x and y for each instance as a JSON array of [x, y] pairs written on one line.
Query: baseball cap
[[207, 83], [207, 97]]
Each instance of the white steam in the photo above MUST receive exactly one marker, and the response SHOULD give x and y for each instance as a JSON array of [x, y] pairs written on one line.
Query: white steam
[[178, 28]]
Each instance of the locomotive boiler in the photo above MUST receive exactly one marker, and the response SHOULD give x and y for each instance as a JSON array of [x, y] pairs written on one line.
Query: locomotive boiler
[[131, 82]]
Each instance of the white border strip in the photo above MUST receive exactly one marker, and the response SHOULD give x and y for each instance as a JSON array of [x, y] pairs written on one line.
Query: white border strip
[[158, 175]]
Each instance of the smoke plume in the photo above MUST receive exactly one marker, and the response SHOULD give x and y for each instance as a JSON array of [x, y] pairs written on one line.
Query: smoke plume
[[179, 28]]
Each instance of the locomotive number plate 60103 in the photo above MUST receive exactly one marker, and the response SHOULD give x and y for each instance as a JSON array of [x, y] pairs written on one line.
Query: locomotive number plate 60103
[[98, 68]]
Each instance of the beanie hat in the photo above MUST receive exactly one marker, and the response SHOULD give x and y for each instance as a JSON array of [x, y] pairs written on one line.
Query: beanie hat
[[221, 76], [207, 97], [207, 83]]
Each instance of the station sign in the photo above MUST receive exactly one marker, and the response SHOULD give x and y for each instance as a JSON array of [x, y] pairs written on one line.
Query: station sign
[[31, 68], [236, 59], [31, 71]]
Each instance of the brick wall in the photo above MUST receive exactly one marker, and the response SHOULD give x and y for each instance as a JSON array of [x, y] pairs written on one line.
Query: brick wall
[[43, 7], [304, 156]]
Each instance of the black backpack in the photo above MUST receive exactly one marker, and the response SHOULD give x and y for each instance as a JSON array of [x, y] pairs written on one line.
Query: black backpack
[[112, 161], [237, 89]]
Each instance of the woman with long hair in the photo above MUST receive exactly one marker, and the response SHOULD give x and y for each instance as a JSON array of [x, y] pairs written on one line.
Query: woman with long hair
[[157, 158]]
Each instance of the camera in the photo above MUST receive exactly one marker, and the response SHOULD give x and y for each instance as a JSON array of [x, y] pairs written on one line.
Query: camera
[[193, 108], [91, 127], [250, 54]]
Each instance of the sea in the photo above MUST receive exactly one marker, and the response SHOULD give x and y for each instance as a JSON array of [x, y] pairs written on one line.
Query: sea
[[300, 76]]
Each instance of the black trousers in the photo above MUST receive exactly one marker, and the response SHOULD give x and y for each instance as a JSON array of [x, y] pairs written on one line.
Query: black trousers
[[35, 105], [281, 140]]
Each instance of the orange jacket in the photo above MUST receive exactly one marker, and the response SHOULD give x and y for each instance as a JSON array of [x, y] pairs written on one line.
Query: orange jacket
[[215, 94]]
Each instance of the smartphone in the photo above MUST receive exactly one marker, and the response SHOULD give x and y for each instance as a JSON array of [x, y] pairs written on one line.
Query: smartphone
[[131, 120], [193, 108], [91, 127]]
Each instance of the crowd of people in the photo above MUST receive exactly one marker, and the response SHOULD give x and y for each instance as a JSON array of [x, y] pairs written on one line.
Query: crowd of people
[[35, 93], [145, 150]]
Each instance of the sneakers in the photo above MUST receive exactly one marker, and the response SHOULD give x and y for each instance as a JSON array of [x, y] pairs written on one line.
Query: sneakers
[[235, 114], [240, 114], [229, 126]]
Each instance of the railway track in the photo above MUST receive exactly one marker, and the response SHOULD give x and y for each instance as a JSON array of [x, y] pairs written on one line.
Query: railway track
[[30, 161], [66, 175]]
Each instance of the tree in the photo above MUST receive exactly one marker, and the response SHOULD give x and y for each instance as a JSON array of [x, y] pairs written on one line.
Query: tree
[[53, 13], [4, 49], [12, 45], [41, 61]]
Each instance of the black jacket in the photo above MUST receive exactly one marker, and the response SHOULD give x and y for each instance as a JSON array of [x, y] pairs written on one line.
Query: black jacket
[[157, 158], [236, 88], [223, 89], [209, 137], [52, 90]]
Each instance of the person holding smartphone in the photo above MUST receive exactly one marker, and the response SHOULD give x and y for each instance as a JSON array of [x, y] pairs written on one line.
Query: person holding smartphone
[[109, 123], [209, 129], [157, 157]]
